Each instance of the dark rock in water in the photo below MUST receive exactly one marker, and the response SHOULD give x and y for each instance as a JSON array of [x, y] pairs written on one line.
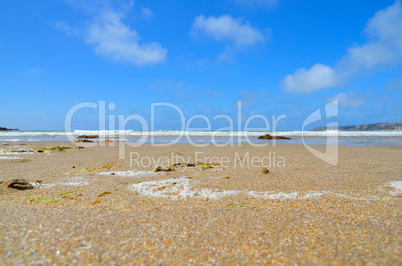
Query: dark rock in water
[[281, 137], [81, 147], [82, 140], [4, 129], [268, 136], [20, 184], [88, 137]]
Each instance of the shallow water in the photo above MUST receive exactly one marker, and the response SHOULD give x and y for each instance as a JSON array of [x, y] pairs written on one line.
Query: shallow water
[[349, 138]]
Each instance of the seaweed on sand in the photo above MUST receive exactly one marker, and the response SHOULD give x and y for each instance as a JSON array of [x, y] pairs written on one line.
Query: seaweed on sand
[[69, 192], [43, 199]]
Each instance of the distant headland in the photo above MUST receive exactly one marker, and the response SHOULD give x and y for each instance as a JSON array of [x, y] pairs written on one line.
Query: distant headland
[[369, 127], [4, 129]]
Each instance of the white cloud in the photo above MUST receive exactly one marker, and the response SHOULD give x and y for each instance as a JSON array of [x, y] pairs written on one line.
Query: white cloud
[[263, 3], [317, 77], [226, 28], [348, 100], [146, 12], [384, 31], [111, 37], [383, 48]]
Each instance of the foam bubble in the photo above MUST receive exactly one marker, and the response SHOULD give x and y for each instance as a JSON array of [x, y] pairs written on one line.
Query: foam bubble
[[47, 185], [10, 158], [130, 173], [35, 184], [269, 195], [6, 152], [295, 195], [178, 188], [397, 187], [75, 184], [313, 195]]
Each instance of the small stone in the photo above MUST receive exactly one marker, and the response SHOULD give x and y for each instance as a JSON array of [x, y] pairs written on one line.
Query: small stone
[[157, 169], [160, 169], [263, 170], [20, 184]]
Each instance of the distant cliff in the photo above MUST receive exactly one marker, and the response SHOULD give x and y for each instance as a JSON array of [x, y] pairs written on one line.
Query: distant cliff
[[3, 129], [369, 127]]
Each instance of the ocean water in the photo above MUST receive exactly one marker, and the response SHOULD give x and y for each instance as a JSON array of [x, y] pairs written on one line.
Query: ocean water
[[355, 138]]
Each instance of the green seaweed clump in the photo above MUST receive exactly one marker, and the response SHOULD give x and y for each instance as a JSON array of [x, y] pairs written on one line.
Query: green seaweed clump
[[61, 148], [69, 192], [43, 199], [7, 150]]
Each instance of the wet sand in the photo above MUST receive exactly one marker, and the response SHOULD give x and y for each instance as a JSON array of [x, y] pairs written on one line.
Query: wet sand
[[91, 207]]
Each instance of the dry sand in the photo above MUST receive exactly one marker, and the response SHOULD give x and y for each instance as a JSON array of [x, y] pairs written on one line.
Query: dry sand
[[303, 211]]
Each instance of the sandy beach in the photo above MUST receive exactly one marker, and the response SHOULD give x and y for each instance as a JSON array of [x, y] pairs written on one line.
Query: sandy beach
[[89, 207], [239, 132]]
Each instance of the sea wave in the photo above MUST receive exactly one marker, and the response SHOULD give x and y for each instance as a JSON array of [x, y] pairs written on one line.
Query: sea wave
[[175, 133]]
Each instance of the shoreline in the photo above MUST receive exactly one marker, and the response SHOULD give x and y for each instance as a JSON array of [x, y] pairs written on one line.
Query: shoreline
[[296, 140]]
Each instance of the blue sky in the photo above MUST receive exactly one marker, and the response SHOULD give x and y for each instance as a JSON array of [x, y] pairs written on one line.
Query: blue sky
[[279, 57]]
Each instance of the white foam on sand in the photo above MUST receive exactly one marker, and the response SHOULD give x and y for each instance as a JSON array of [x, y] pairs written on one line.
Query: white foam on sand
[[75, 184], [35, 184], [5, 152], [397, 188], [313, 195], [130, 173], [295, 195], [352, 197], [47, 185], [10, 158], [65, 184], [178, 188], [269, 195], [77, 178]]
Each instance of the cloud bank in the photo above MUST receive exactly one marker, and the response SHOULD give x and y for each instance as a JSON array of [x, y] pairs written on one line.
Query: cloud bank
[[383, 48]]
